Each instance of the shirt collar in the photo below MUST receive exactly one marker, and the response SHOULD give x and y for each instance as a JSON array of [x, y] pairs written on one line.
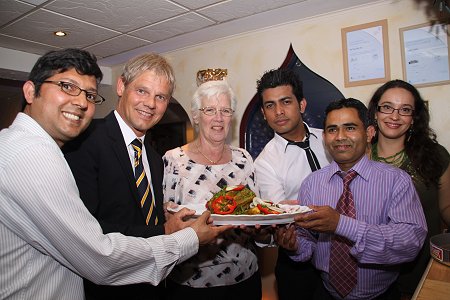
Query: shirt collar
[[127, 132], [285, 142], [362, 167]]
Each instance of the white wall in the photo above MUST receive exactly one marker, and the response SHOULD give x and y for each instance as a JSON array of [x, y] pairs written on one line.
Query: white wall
[[317, 42], [109, 93]]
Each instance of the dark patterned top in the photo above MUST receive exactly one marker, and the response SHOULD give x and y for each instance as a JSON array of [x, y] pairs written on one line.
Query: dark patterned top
[[411, 272], [233, 258]]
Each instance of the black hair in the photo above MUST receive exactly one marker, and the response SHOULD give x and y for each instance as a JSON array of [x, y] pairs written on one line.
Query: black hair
[[348, 103], [422, 139], [59, 61], [280, 77]]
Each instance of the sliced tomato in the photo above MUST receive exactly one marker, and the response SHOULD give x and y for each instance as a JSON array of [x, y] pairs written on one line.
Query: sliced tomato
[[223, 205], [235, 188], [267, 211]]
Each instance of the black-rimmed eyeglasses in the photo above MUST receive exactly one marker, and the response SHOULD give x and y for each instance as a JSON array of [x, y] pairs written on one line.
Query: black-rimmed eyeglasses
[[212, 111], [74, 90], [387, 109]]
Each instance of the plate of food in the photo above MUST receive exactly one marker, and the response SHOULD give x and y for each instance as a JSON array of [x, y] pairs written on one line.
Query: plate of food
[[238, 205]]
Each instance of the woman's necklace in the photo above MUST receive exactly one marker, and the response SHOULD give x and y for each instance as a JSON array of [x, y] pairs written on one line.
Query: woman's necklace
[[397, 159], [214, 162]]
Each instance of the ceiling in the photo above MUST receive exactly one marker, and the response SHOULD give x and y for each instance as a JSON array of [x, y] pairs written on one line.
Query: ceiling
[[116, 30]]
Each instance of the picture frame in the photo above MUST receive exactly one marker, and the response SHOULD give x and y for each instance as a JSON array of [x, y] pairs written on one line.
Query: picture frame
[[366, 53], [425, 54]]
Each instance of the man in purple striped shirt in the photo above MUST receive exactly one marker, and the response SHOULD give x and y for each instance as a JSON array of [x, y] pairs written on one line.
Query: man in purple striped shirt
[[389, 228]]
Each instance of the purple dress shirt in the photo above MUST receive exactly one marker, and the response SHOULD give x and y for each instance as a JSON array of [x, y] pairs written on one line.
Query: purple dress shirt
[[389, 228]]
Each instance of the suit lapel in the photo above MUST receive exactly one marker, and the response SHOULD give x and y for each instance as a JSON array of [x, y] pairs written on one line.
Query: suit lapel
[[121, 152]]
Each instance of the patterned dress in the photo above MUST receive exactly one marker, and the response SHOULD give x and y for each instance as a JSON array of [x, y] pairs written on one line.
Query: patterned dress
[[233, 258]]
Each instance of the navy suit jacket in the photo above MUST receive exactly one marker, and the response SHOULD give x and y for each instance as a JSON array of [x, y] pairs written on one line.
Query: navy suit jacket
[[102, 169]]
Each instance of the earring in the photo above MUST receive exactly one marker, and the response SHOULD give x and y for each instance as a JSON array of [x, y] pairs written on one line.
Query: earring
[[410, 133]]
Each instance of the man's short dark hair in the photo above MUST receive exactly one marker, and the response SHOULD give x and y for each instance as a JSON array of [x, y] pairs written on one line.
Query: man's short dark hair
[[59, 61], [280, 77], [348, 103]]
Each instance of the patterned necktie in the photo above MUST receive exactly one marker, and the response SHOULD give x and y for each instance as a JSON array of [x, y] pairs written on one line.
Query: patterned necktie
[[312, 159], [145, 195], [343, 268]]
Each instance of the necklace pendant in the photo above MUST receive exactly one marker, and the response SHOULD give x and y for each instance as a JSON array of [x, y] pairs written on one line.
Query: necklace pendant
[[207, 158]]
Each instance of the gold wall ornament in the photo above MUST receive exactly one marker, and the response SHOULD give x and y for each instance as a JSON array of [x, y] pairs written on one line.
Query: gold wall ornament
[[210, 74]]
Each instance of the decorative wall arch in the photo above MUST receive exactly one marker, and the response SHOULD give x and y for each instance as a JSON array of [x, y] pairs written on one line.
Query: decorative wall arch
[[254, 133]]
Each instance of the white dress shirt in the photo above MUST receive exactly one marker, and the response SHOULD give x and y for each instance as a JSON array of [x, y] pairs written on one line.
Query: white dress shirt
[[49, 240], [280, 169], [128, 137]]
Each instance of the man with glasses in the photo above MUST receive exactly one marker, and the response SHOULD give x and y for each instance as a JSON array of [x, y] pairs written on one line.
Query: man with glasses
[[48, 239], [106, 163]]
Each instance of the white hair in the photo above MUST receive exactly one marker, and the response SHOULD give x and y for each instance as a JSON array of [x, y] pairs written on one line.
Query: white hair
[[212, 88]]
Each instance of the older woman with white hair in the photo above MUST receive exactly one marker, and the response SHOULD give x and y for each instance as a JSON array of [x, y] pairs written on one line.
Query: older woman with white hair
[[193, 174]]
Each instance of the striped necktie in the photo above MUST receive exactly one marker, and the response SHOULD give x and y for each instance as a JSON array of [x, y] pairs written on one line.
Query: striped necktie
[[146, 200], [343, 268]]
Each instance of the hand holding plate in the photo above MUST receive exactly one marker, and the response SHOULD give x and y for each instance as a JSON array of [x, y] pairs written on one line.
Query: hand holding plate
[[321, 219]]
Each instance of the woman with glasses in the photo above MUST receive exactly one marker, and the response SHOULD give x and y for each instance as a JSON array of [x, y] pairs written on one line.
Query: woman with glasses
[[404, 139], [193, 174]]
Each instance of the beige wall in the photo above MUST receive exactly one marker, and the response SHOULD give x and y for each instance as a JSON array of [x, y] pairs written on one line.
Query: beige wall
[[317, 42]]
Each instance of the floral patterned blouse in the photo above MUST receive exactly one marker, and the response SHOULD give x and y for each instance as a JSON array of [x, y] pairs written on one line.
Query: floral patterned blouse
[[186, 182]]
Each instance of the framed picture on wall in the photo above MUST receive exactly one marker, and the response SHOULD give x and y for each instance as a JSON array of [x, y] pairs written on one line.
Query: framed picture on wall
[[425, 54], [366, 54]]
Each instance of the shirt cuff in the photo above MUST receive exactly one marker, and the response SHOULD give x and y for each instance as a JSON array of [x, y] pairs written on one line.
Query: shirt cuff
[[188, 241], [347, 227], [270, 244]]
